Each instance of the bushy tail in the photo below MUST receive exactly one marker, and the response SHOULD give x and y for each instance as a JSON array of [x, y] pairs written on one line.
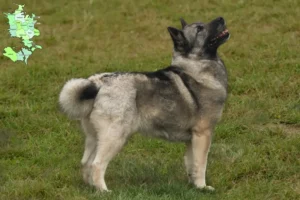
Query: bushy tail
[[77, 97]]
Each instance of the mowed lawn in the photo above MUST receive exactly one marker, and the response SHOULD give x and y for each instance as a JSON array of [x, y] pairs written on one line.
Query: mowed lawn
[[256, 147]]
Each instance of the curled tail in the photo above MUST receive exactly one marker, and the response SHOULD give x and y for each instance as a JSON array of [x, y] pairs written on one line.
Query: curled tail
[[77, 97]]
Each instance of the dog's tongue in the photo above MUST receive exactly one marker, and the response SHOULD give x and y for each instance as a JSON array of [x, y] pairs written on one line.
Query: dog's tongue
[[224, 32]]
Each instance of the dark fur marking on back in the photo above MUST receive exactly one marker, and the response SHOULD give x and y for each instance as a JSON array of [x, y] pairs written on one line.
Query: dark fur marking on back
[[89, 92], [187, 80], [160, 74]]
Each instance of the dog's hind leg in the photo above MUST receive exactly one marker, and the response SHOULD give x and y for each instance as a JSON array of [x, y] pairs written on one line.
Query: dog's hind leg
[[111, 138], [188, 160], [89, 148], [87, 170]]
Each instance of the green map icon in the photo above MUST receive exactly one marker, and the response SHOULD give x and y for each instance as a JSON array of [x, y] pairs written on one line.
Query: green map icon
[[22, 26]]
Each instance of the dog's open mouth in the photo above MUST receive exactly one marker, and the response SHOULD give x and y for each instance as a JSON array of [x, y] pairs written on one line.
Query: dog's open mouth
[[220, 37]]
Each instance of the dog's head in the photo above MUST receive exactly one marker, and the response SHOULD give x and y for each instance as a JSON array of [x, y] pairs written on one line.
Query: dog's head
[[199, 39]]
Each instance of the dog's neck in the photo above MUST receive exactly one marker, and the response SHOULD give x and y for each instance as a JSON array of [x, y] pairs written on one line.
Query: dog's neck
[[190, 61], [184, 62], [195, 67]]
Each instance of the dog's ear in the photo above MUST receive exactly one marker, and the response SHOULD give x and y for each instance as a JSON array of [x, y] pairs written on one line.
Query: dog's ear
[[183, 22], [180, 42]]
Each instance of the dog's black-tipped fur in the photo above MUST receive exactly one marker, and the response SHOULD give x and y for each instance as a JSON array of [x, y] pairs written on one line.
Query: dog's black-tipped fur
[[89, 92]]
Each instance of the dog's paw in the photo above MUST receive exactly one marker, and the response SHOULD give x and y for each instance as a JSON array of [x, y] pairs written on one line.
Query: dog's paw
[[103, 190], [86, 174], [207, 188], [101, 187]]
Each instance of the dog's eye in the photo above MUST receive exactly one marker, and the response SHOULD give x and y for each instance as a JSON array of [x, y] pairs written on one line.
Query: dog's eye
[[199, 28]]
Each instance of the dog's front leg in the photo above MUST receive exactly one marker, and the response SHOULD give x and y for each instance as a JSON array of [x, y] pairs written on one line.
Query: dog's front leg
[[200, 147], [188, 161]]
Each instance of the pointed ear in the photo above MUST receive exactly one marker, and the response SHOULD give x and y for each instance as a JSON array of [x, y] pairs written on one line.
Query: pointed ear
[[180, 42], [183, 23]]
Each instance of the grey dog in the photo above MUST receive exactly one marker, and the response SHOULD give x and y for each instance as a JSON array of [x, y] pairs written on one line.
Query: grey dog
[[180, 103]]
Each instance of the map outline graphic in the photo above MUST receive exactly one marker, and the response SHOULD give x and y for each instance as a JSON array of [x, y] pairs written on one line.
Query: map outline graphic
[[22, 26]]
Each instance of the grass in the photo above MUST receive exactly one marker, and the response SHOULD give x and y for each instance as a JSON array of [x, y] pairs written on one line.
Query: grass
[[255, 152]]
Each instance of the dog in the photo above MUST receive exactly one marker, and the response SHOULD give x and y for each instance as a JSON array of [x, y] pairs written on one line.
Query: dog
[[180, 103]]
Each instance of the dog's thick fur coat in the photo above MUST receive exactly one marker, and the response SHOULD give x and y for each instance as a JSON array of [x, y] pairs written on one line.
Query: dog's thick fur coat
[[182, 102]]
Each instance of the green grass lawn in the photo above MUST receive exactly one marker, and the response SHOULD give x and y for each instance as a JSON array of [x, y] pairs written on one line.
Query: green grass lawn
[[256, 148]]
